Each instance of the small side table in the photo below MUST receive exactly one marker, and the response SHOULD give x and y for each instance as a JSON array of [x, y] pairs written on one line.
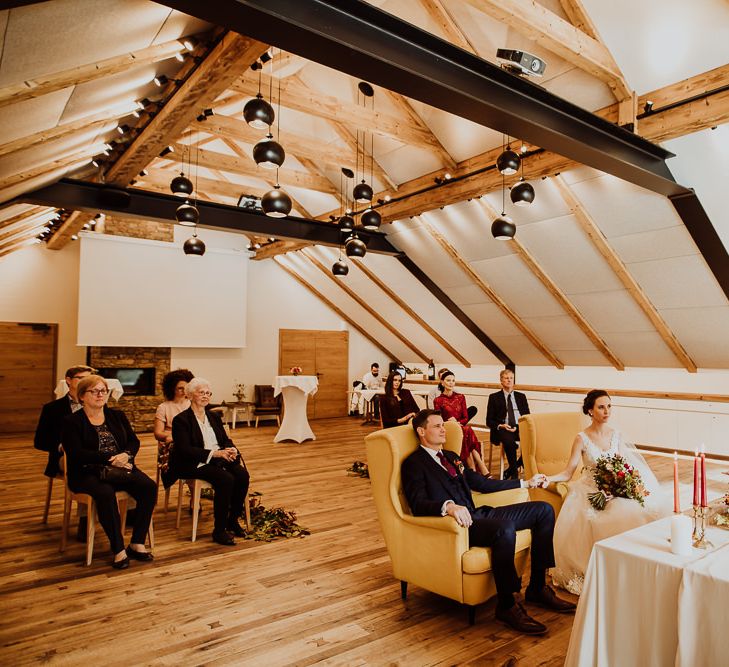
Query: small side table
[[239, 411]]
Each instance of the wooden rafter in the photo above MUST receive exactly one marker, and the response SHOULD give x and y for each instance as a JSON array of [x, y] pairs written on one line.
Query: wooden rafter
[[244, 165], [296, 95], [159, 180], [558, 294], [30, 215], [16, 245], [616, 264], [453, 32], [477, 280], [554, 33], [72, 225], [335, 308], [363, 304], [404, 306], [50, 83], [223, 64], [278, 248], [65, 162], [578, 16]]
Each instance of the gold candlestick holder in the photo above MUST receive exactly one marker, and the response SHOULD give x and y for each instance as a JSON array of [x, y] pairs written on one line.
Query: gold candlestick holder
[[699, 533]]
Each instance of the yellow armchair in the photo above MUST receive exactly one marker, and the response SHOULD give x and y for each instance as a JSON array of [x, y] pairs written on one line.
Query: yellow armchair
[[546, 442], [433, 552]]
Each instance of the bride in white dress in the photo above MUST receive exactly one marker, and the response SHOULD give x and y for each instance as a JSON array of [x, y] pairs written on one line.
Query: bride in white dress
[[578, 525]]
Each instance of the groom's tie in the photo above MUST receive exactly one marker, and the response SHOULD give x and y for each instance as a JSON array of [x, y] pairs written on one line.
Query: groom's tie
[[446, 463], [510, 411]]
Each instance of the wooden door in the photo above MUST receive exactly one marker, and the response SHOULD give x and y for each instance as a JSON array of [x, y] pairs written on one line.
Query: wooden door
[[324, 354], [27, 370]]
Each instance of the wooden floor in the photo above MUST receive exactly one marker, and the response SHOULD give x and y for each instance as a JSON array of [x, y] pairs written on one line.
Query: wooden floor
[[328, 598]]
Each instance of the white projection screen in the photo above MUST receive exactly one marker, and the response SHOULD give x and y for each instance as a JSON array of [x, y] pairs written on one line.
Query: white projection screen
[[141, 293]]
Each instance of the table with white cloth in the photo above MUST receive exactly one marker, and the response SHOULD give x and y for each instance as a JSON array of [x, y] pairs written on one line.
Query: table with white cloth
[[645, 606], [369, 406], [115, 388], [296, 390]]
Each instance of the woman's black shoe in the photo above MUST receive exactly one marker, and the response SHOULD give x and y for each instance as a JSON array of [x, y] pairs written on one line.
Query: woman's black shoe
[[144, 556], [122, 564], [223, 537], [235, 528]]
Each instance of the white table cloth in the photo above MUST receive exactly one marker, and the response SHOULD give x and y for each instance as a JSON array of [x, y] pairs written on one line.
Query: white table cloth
[[115, 388], [296, 390], [629, 613]]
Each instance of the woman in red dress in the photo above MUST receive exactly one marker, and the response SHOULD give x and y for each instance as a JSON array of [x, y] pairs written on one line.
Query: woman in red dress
[[452, 407]]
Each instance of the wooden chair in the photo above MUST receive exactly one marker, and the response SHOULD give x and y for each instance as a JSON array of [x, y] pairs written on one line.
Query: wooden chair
[[266, 404], [49, 490], [197, 486], [122, 499]]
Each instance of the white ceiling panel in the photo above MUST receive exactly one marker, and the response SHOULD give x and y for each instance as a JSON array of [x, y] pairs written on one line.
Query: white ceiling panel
[[678, 282], [658, 244], [583, 358], [521, 351], [491, 319], [614, 311], [704, 333], [559, 333], [643, 350], [469, 294], [31, 116]]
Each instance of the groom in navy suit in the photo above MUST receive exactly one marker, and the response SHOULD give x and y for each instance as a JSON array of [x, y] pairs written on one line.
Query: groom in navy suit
[[436, 483]]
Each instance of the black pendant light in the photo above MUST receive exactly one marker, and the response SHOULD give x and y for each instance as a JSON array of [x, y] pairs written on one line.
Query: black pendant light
[[276, 203], [503, 228], [258, 113], [194, 246], [187, 214], [346, 221], [181, 185], [340, 268], [268, 153], [354, 247], [362, 192], [522, 194], [508, 162], [371, 219]]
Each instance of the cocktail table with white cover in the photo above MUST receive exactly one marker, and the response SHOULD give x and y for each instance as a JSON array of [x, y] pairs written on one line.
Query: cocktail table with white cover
[[295, 390], [628, 613]]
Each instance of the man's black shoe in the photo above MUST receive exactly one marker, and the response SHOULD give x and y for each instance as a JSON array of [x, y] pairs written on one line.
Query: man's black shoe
[[516, 618], [547, 598], [223, 537], [235, 528]]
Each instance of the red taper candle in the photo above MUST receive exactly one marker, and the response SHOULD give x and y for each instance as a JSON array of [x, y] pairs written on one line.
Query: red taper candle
[[703, 477], [696, 477]]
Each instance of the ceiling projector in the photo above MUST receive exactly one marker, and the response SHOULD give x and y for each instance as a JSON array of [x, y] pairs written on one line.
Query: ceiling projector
[[521, 62]]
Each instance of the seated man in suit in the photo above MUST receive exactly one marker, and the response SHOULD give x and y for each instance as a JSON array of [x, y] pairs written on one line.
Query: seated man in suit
[[502, 417], [436, 483]]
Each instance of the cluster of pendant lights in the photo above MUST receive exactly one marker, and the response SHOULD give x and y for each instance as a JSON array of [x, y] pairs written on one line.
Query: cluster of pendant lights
[[362, 193], [187, 213], [522, 193], [268, 153]]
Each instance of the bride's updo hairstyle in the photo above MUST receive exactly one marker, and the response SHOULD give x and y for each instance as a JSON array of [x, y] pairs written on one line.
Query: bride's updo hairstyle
[[590, 399]]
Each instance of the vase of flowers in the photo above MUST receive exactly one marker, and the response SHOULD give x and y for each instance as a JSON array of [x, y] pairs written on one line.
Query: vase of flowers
[[239, 391], [616, 478], [295, 370]]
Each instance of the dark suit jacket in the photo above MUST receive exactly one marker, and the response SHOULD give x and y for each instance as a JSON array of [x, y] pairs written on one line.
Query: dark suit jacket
[[391, 411], [189, 447], [81, 441], [48, 432], [496, 413], [427, 485]]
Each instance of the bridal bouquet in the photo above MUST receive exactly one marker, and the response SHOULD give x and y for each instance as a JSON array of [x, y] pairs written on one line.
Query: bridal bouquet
[[615, 477]]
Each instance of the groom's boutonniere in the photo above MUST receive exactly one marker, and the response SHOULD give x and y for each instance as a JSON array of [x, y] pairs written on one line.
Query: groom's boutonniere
[[459, 464]]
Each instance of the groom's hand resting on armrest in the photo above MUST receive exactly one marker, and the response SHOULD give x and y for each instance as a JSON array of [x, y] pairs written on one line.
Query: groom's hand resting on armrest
[[539, 481], [459, 513]]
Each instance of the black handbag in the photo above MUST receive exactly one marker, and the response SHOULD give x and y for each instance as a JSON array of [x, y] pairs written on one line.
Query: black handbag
[[113, 474]]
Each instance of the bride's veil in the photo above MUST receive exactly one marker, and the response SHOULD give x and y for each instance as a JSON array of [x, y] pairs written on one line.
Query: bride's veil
[[631, 454]]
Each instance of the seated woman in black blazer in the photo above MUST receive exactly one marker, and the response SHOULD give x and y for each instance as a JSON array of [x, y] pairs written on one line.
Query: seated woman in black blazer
[[97, 437], [203, 450], [397, 405]]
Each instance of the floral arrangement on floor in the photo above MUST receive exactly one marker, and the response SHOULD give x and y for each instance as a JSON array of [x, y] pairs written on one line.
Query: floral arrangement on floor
[[269, 525], [359, 469], [295, 370], [721, 518], [616, 478]]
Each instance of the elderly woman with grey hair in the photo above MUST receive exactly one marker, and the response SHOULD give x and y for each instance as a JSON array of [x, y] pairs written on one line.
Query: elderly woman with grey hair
[[203, 450]]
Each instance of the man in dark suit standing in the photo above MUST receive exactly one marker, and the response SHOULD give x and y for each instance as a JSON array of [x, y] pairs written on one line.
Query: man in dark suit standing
[[436, 483], [502, 418]]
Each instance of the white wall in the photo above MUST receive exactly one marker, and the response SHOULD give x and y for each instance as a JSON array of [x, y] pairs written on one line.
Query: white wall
[[41, 285], [661, 422]]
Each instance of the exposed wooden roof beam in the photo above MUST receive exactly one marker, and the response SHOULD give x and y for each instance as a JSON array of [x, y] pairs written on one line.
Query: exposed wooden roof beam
[[160, 180], [579, 18], [477, 280], [30, 215], [244, 165], [296, 95], [558, 294], [16, 245], [223, 64], [404, 306], [554, 33], [58, 80], [21, 231], [453, 32], [73, 225], [621, 271], [286, 267], [367, 308], [278, 248]]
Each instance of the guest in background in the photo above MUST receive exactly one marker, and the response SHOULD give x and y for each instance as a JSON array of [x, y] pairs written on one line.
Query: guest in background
[[50, 424], [502, 417], [452, 406], [173, 388], [96, 439], [373, 380], [436, 391], [203, 450], [398, 405]]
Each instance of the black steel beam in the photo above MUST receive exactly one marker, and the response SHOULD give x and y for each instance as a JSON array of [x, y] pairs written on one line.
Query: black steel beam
[[705, 236], [453, 308], [135, 203], [355, 37]]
